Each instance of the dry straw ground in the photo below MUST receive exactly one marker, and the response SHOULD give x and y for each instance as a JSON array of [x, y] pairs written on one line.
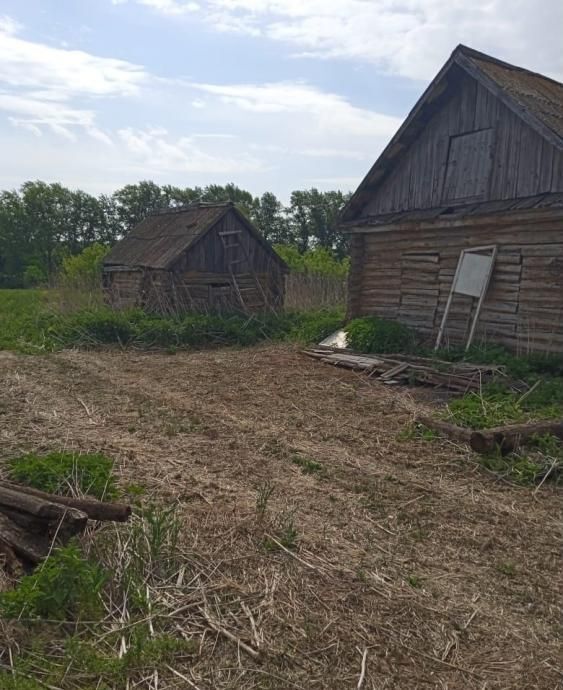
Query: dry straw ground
[[413, 568]]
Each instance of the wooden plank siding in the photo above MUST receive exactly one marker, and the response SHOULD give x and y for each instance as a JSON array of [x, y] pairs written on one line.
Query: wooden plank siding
[[407, 274], [200, 278], [518, 163]]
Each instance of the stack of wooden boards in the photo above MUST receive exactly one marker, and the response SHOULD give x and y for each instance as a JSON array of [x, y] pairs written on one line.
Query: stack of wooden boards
[[31, 521], [394, 369]]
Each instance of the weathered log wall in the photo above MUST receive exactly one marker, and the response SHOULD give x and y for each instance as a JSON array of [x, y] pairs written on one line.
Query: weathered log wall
[[406, 272], [200, 279], [515, 161]]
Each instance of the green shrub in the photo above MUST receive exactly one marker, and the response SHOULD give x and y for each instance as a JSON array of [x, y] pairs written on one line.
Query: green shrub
[[139, 329], [481, 411], [60, 473], [373, 334], [84, 270], [318, 260], [66, 586]]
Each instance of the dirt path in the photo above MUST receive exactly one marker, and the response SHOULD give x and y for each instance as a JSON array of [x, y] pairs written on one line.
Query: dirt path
[[448, 578]]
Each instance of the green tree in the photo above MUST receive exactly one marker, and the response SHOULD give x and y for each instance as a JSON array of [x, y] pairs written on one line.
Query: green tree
[[269, 217], [84, 270], [16, 247], [134, 202], [314, 220]]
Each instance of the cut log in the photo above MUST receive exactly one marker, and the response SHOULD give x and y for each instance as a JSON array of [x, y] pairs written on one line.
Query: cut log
[[30, 548], [507, 438], [45, 509], [456, 433], [95, 510]]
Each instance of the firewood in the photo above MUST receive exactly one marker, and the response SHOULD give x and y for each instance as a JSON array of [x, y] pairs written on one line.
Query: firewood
[[39, 507], [456, 433], [95, 510], [28, 547], [509, 437]]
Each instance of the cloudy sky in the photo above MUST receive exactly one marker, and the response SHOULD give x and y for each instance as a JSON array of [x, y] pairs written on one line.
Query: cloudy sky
[[269, 94]]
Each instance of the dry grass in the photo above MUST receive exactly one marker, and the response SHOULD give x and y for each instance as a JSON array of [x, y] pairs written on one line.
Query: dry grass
[[310, 291], [409, 560]]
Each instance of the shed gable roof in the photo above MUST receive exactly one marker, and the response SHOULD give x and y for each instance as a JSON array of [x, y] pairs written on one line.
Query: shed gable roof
[[537, 99], [158, 240]]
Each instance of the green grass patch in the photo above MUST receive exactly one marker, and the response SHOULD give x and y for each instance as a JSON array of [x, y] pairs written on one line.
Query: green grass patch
[[415, 430], [67, 628], [373, 334], [64, 473], [487, 409], [28, 324], [20, 316], [541, 460], [65, 587], [307, 465]]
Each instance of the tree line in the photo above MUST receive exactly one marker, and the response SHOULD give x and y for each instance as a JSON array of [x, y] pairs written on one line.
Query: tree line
[[41, 224]]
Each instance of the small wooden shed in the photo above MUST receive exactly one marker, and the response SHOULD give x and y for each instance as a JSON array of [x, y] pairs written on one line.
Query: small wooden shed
[[198, 257], [478, 162]]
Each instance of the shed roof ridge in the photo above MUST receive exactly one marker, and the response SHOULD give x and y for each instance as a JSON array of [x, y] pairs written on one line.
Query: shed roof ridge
[[189, 207], [485, 57], [468, 60]]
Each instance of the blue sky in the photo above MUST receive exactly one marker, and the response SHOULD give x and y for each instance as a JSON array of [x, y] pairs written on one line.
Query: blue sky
[[270, 94]]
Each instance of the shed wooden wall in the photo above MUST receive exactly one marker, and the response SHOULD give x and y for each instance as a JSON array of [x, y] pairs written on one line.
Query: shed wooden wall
[[406, 274], [523, 163], [204, 268], [200, 279]]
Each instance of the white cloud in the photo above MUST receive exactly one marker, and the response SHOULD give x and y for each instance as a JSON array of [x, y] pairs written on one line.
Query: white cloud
[[40, 84], [331, 113], [157, 151], [411, 38], [33, 114], [171, 7], [27, 64]]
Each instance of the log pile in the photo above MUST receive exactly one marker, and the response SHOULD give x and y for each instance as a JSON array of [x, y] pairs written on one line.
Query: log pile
[[506, 438], [31, 521], [393, 369]]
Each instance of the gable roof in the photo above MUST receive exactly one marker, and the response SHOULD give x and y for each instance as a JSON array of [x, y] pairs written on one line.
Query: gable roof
[[537, 99], [158, 240]]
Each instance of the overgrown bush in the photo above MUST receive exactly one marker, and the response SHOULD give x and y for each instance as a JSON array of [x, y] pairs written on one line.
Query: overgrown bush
[[137, 328], [63, 473], [65, 586], [84, 270], [318, 260], [373, 334]]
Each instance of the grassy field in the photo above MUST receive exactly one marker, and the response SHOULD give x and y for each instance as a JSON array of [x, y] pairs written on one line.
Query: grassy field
[[20, 311], [311, 534], [32, 321]]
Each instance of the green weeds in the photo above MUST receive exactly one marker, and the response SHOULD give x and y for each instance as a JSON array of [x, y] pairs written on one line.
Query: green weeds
[[307, 465], [66, 586], [373, 334], [65, 473], [417, 431], [27, 324], [97, 616]]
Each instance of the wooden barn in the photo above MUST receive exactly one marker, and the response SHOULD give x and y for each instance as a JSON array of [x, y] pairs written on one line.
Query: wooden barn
[[198, 257], [477, 167]]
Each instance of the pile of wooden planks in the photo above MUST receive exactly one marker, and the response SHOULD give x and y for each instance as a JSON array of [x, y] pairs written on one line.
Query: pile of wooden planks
[[31, 521], [394, 369]]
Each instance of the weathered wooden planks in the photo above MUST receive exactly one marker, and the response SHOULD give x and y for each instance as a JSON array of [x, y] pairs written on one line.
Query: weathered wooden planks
[[407, 275]]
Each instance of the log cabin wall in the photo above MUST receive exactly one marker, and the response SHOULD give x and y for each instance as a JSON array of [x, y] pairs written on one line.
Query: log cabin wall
[[202, 274], [473, 149], [179, 262], [406, 273], [122, 287]]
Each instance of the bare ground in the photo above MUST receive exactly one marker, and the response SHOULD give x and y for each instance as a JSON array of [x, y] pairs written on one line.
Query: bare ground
[[408, 554]]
